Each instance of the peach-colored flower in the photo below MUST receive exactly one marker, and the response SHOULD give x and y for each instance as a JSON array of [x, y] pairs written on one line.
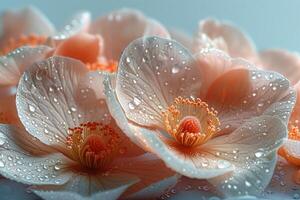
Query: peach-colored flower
[[73, 148], [102, 44], [229, 38], [28, 26], [98, 45], [207, 116], [225, 36]]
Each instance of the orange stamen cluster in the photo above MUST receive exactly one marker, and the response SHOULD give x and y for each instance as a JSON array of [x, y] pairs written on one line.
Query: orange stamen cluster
[[294, 133], [190, 121], [93, 145], [23, 40], [110, 66]]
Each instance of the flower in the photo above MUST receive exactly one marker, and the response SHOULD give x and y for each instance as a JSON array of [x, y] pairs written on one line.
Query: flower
[[29, 27], [104, 44], [106, 38], [227, 37], [214, 34], [207, 116], [72, 148]]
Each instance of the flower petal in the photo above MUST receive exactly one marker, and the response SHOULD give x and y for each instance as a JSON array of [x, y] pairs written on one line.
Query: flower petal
[[182, 38], [142, 167], [200, 167], [284, 62], [26, 21], [15, 138], [152, 72], [252, 150], [237, 42], [26, 160], [246, 92], [54, 95], [120, 27], [8, 110], [80, 22], [14, 64], [107, 186], [76, 47]]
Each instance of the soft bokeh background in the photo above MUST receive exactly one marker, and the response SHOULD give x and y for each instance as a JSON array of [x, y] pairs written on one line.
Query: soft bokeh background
[[270, 23]]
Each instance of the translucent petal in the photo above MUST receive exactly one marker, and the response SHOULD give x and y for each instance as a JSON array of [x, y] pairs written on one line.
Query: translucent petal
[[14, 64], [284, 62], [237, 42], [54, 95], [107, 186], [121, 27], [78, 23], [25, 21], [203, 166], [252, 151], [142, 167], [240, 94], [152, 72]]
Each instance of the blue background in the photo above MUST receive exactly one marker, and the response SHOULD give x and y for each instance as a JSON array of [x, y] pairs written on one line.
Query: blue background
[[270, 23]]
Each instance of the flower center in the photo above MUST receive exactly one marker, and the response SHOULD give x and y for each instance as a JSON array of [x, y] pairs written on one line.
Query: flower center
[[190, 121], [23, 40], [294, 133], [110, 66], [93, 145]]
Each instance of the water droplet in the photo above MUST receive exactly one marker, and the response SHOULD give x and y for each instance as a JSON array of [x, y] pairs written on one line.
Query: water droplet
[[57, 167], [258, 154], [73, 109], [2, 164], [127, 59], [131, 106], [31, 108], [175, 70], [248, 184]]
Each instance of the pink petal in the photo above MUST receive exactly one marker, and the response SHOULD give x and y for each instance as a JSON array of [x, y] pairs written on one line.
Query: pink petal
[[76, 47], [15, 63], [24, 22], [54, 95], [252, 150], [121, 27], [79, 23], [152, 72], [17, 163], [237, 42], [284, 62], [101, 186]]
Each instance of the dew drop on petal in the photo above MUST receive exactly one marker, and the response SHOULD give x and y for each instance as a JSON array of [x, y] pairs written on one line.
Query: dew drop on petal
[[2, 164], [175, 70], [131, 106], [31, 108], [258, 154]]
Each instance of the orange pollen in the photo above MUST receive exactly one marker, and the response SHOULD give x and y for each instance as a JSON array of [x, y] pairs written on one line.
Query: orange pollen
[[23, 40], [190, 121], [110, 66], [93, 145], [294, 133]]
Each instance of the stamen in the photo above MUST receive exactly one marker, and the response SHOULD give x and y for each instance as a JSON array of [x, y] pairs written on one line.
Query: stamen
[[294, 133], [190, 121], [93, 145], [110, 66], [28, 40]]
